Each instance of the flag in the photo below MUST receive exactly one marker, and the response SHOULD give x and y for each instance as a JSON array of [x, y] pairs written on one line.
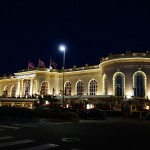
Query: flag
[[41, 63], [53, 63], [30, 64]]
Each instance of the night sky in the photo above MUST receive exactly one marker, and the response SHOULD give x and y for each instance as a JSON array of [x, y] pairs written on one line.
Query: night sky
[[90, 29]]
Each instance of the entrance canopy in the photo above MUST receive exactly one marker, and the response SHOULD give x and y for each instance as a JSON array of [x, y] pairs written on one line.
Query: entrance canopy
[[88, 98], [18, 100]]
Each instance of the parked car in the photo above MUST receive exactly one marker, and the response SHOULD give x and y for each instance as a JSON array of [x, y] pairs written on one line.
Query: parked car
[[68, 110], [43, 107], [93, 113], [148, 116]]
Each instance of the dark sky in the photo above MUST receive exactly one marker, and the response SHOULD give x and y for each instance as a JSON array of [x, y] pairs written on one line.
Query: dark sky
[[33, 29]]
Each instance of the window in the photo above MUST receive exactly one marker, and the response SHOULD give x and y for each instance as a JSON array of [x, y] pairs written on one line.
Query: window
[[93, 87], [138, 88], [119, 85], [80, 88], [27, 88], [68, 88], [5, 92], [44, 88], [13, 91]]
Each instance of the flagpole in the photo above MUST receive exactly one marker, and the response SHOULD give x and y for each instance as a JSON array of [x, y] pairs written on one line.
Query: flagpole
[[28, 64], [38, 62], [50, 63], [50, 67]]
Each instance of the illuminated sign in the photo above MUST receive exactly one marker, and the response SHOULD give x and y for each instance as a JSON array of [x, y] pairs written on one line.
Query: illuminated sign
[[26, 76]]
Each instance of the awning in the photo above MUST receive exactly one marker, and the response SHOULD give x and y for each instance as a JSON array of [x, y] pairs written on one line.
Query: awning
[[126, 100], [86, 97], [18, 100]]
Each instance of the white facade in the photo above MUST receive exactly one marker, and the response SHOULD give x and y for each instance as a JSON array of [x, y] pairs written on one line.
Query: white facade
[[122, 75]]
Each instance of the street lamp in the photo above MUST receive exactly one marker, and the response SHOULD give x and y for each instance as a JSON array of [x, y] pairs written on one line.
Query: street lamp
[[63, 49]]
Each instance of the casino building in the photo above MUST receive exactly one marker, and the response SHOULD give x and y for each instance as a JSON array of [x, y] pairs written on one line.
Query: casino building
[[117, 76]]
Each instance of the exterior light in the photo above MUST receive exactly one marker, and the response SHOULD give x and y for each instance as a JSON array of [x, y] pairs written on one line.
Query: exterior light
[[63, 49]]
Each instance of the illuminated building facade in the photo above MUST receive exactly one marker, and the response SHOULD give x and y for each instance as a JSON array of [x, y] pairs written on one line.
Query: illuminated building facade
[[122, 75]]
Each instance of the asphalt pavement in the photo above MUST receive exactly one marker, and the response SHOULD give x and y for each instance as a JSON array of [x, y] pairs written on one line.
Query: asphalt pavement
[[112, 133]]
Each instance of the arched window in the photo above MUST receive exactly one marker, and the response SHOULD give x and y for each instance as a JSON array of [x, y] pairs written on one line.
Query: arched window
[[93, 87], [13, 91], [139, 85], [80, 88], [68, 88], [119, 85], [44, 88]]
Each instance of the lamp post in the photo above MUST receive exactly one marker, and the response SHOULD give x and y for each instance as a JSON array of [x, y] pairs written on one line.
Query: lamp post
[[63, 49]]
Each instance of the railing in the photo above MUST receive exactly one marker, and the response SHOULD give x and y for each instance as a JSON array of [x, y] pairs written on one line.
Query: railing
[[126, 55]]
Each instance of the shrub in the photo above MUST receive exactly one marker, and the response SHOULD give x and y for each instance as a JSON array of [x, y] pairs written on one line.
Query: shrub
[[16, 112]]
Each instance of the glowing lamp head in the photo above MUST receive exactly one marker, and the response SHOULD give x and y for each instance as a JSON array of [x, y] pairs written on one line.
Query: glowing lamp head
[[62, 47]]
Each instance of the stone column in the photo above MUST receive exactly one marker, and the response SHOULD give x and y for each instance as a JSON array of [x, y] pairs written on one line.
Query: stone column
[[35, 87], [31, 85], [21, 88], [18, 91]]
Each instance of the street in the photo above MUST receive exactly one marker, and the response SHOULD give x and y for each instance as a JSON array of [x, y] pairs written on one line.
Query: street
[[114, 133]]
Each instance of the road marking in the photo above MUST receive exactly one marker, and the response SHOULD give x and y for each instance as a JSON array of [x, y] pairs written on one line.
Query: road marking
[[57, 123], [9, 127], [6, 137], [71, 140], [24, 125], [15, 143], [42, 147], [51, 123]]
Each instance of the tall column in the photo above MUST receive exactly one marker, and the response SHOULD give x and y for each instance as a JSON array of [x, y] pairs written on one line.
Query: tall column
[[21, 88], [34, 87], [18, 91], [35, 90], [31, 85]]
